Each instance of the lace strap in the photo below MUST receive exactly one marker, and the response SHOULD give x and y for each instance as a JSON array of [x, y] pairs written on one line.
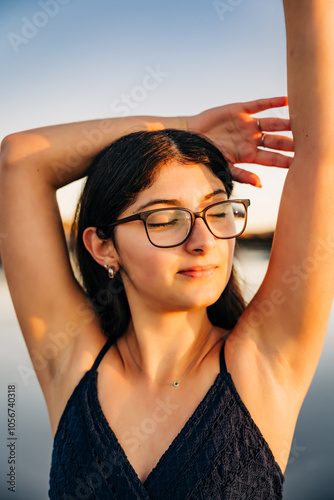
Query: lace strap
[[101, 354]]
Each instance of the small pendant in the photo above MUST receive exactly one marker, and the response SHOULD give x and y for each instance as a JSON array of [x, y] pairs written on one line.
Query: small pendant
[[176, 384]]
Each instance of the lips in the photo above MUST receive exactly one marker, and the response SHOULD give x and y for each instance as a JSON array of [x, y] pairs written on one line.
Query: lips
[[198, 271]]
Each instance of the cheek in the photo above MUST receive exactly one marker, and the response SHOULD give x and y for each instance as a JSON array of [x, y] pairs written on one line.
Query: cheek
[[140, 261], [226, 263]]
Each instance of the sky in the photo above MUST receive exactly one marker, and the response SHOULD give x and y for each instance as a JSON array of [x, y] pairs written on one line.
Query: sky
[[72, 60]]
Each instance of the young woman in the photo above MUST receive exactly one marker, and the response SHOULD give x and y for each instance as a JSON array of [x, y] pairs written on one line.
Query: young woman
[[195, 396]]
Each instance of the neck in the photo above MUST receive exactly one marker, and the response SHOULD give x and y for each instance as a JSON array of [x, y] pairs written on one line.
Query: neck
[[165, 346]]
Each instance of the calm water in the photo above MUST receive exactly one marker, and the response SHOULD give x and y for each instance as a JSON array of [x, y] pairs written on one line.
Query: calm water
[[309, 475]]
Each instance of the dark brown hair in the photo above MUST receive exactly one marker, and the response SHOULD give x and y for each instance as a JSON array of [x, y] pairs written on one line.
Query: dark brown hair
[[116, 177]]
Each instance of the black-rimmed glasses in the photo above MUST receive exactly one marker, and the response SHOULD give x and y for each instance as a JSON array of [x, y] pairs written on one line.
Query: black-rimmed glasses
[[170, 227]]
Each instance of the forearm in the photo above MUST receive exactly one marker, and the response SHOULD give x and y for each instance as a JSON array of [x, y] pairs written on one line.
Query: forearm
[[61, 154], [310, 62]]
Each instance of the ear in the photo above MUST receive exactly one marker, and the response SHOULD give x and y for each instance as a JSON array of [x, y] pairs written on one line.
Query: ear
[[103, 251]]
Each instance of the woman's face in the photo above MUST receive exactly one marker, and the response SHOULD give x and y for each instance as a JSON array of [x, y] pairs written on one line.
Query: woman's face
[[190, 276]]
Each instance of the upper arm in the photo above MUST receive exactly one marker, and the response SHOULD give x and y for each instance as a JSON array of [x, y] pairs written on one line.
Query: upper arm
[[290, 311], [51, 307]]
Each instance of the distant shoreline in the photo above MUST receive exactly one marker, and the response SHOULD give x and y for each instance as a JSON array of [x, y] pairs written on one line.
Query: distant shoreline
[[257, 240]]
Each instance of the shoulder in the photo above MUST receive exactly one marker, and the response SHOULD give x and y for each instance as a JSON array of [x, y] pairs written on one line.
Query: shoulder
[[74, 365]]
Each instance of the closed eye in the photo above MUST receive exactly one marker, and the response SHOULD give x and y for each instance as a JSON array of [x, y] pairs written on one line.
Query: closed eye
[[163, 224], [221, 215]]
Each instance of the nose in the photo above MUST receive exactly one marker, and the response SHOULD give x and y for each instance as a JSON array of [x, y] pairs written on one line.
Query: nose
[[200, 238]]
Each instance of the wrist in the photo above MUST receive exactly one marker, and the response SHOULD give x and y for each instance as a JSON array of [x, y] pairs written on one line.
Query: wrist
[[183, 123]]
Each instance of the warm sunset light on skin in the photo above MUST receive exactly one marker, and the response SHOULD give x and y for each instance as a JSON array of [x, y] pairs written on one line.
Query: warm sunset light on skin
[[38, 327]]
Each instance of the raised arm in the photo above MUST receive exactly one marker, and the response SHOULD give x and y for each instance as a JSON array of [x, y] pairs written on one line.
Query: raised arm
[[289, 315], [51, 308]]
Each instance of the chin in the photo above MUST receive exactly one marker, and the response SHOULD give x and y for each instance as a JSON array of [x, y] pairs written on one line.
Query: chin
[[200, 301]]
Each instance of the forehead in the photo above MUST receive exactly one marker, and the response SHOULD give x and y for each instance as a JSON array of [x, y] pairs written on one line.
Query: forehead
[[187, 183]]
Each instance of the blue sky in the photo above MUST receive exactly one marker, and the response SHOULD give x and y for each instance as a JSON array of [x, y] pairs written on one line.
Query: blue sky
[[70, 60]]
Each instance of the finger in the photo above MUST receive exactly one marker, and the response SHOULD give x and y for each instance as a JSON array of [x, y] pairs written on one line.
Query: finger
[[271, 159], [274, 124], [258, 105], [245, 177], [279, 142]]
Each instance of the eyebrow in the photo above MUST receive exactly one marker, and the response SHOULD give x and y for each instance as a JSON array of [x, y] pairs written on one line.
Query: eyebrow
[[177, 203]]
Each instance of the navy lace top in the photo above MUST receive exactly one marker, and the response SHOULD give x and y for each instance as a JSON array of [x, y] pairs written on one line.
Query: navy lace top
[[220, 453]]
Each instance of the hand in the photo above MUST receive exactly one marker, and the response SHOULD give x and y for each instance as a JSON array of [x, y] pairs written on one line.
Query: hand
[[236, 133]]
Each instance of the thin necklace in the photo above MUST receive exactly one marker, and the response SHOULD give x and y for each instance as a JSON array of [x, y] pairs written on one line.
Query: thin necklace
[[175, 384]]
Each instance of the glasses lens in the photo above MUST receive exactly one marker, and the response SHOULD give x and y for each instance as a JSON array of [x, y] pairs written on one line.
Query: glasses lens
[[168, 227], [227, 220]]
